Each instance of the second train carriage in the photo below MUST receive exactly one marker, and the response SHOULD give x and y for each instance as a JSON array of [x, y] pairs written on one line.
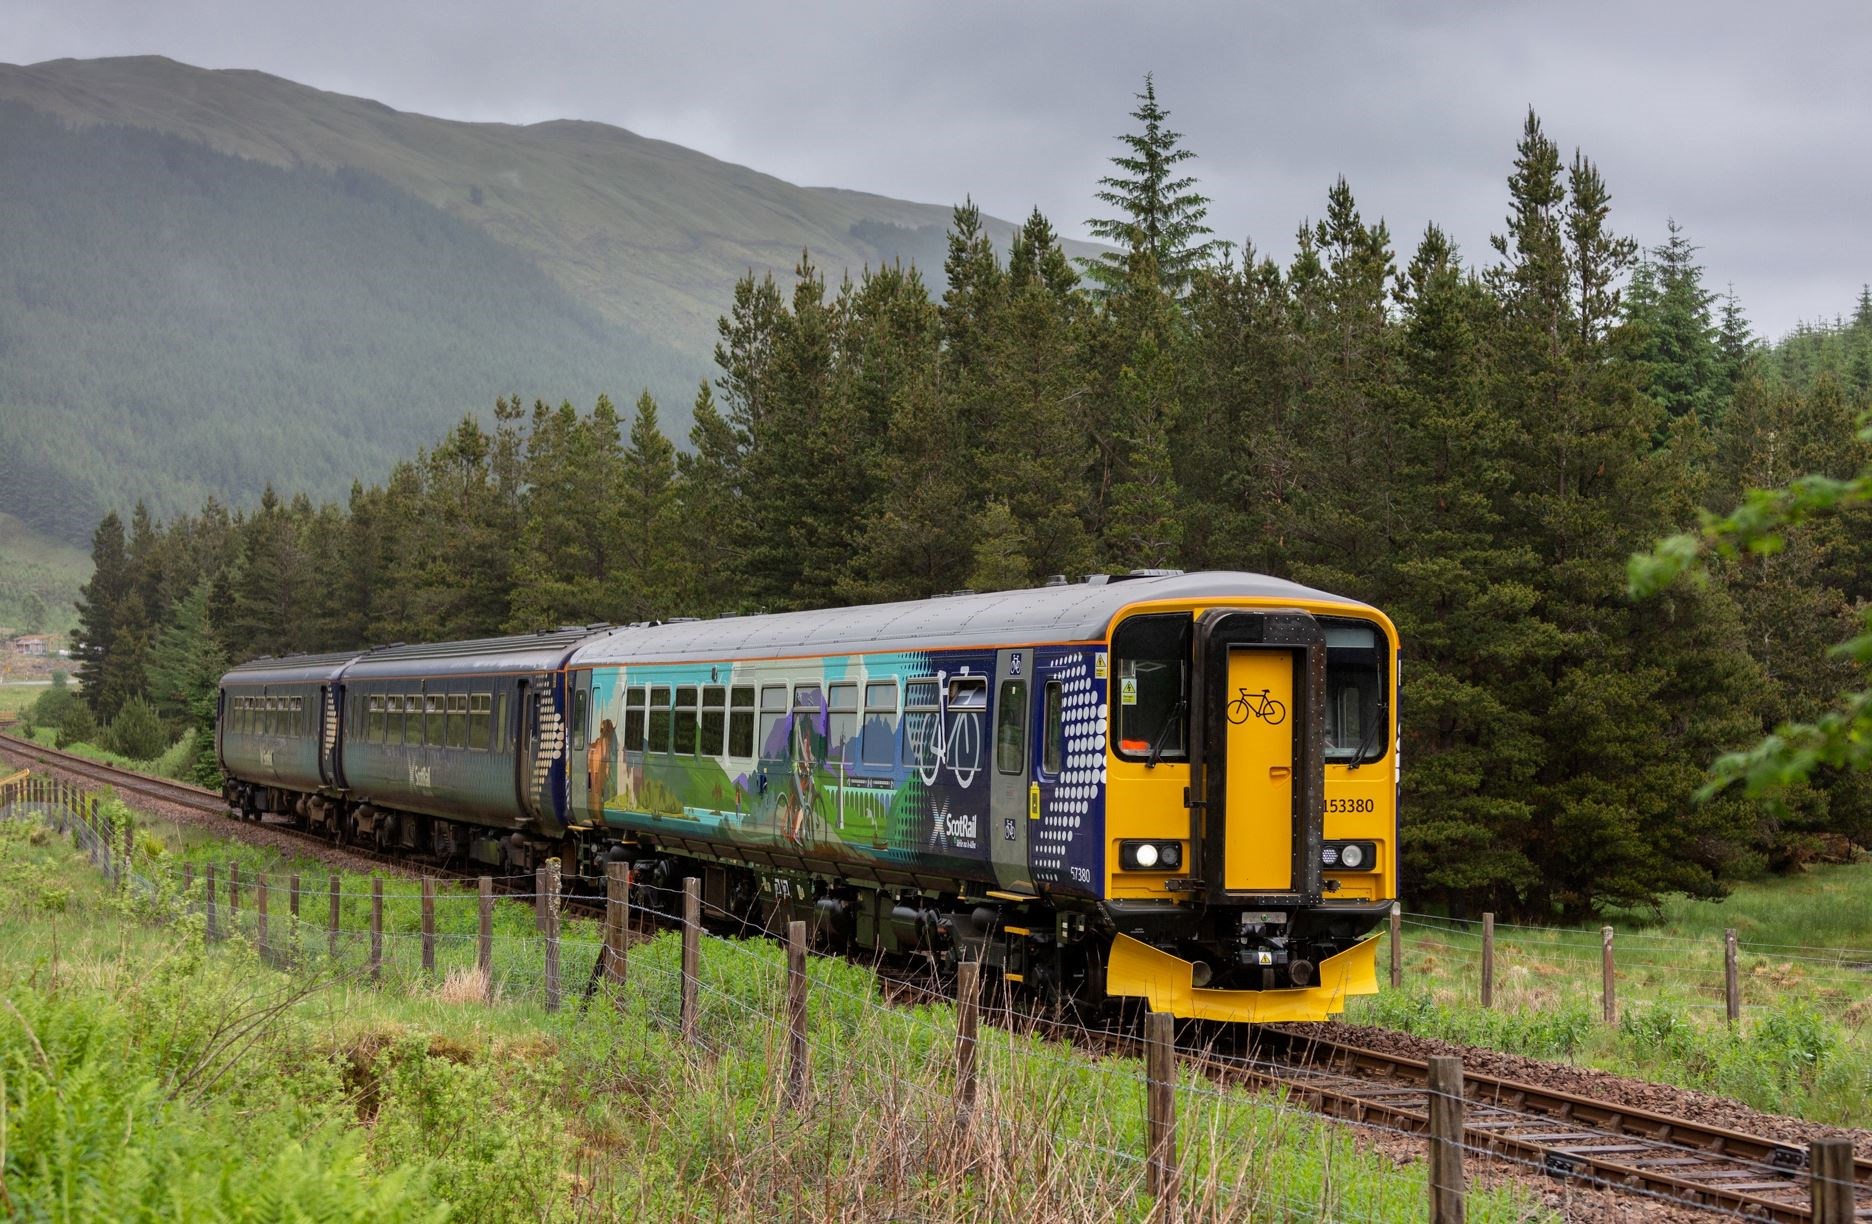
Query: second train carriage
[[1175, 787]]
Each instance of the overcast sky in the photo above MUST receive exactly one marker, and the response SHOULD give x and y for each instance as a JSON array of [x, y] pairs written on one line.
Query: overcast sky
[[1751, 124]]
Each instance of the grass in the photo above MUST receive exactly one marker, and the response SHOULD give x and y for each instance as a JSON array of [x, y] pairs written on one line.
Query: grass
[[1803, 1045], [177, 761], [149, 1072], [16, 697]]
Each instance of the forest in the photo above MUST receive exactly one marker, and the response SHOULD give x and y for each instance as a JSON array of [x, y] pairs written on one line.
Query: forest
[[1476, 446]]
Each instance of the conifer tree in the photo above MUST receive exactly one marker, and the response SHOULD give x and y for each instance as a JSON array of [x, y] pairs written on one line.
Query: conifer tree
[[100, 603], [649, 583], [1159, 208], [709, 490]]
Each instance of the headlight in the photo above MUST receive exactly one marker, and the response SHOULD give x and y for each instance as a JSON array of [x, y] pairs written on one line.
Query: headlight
[[1150, 855], [1349, 855]]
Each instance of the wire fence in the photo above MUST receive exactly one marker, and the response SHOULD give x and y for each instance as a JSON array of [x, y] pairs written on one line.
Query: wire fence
[[1178, 1134]]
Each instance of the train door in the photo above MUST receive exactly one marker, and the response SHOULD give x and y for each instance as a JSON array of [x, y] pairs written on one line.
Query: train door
[[524, 735], [327, 736], [1260, 758], [1010, 791]]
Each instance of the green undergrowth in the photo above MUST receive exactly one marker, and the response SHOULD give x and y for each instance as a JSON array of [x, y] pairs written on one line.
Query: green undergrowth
[[151, 1073], [177, 761], [1803, 1044]]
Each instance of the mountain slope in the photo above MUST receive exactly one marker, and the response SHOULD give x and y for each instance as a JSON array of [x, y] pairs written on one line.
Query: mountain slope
[[649, 233], [212, 280]]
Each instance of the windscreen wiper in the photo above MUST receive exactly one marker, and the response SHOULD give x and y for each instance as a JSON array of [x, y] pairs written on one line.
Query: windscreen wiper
[[1157, 748], [1358, 758]]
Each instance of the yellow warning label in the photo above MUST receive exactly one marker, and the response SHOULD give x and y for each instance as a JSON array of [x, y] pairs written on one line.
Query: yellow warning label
[[1033, 801]]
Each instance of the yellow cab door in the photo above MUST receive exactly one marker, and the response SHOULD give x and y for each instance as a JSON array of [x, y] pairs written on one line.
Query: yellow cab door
[[1259, 833], [1260, 772]]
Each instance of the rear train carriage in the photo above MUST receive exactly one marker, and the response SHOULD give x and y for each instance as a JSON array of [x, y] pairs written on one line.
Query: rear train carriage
[[276, 730], [1178, 787]]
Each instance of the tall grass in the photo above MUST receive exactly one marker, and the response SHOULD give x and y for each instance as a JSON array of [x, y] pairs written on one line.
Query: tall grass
[[180, 1076]]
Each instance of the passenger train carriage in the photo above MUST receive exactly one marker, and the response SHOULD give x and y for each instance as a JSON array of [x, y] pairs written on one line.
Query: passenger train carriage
[[1174, 787]]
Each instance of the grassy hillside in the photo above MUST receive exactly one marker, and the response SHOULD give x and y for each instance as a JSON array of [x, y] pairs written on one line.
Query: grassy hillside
[[32, 562], [650, 234], [177, 322]]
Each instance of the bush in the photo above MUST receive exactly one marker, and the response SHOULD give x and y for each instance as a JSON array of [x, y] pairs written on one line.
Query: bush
[[137, 731], [64, 711]]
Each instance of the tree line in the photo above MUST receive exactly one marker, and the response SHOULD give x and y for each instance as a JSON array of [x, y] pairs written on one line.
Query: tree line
[[1475, 447]]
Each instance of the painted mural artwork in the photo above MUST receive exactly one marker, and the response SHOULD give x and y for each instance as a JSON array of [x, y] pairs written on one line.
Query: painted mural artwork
[[883, 757]]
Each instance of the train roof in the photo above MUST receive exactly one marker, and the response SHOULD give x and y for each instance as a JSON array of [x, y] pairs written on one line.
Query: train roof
[[291, 669], [1064, 613], [543, 651], [527, 652]]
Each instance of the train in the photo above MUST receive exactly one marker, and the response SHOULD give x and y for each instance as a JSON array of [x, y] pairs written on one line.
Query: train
[[1175, 788]]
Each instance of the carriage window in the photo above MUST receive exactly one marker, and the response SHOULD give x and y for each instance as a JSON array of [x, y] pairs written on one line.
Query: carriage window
[[1151, 704], [458, 720], [634, 718], [501, 742], [273, 716], [1355, 693], [580, 713], [686, 720], [773, 706], [1055, 746], [968, 693], [393, 718], [1011, 728], [435, 732], [808, 697], [741, 722], [659, 722], [480, 720], [841, 720], [878, 739], [714, 719]]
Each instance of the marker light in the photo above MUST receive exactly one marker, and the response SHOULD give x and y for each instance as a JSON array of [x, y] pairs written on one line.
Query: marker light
[[1147, 856]]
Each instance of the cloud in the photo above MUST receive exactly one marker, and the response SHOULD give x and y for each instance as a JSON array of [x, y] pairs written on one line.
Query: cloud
[[1746, 126]]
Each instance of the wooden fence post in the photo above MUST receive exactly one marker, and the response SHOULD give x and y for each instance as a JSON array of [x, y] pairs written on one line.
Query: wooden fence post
[[188, 878], [968, 1012], [1488, 960], [1830, 1175], [428, 924], [1732, 986], [1609, 979], [691, 953], [796, 1012], [292, 897], [484, 949], [1397, 945], [549, 890], [331, 924], [1160, 1111], [129, 847], [213, 932], [233, 895], [1445, 1083], [260, 913], [617, 920], [376, 928]]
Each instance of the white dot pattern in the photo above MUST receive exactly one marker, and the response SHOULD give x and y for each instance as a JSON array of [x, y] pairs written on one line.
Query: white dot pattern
[[1075, 800]]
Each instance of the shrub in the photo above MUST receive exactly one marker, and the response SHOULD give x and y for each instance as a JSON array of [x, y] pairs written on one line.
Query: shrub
[[137, 731]]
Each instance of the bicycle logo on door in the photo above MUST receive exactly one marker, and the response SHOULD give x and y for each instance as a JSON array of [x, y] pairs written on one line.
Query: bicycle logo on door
[[945, 738], [1261, 705]]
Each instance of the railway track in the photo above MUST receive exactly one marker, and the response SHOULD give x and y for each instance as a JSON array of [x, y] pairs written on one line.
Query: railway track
[[1561, 1134]]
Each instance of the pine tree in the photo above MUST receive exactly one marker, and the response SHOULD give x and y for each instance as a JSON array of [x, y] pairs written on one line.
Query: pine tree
[[709, 491], [1678, 338], [650, 582], [99, 604], [1159, 209]]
